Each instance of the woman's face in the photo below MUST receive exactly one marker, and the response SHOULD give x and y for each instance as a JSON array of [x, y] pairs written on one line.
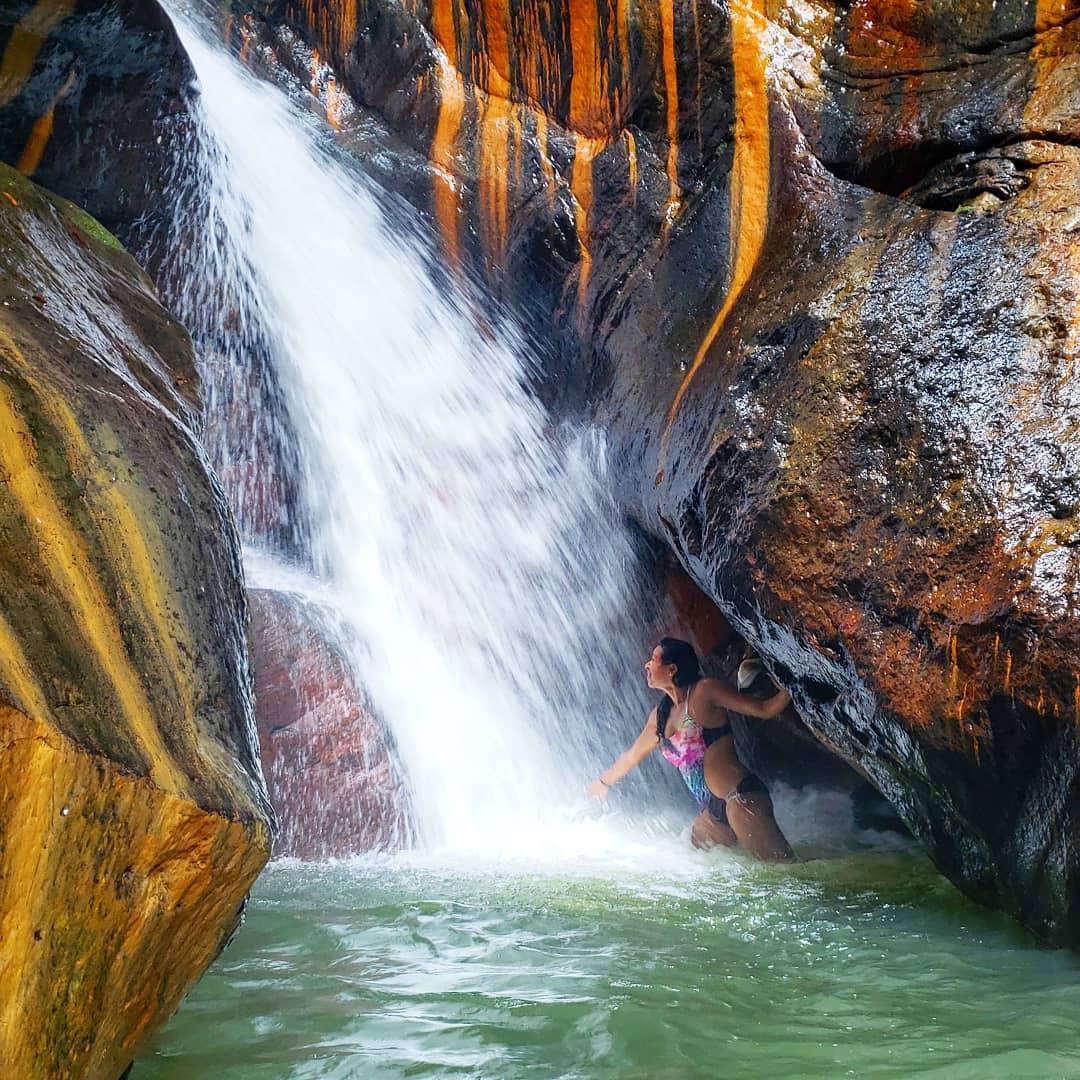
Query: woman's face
[[657, 673]]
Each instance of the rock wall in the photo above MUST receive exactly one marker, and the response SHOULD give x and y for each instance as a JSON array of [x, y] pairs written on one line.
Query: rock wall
[[133, 818], [813, 267]]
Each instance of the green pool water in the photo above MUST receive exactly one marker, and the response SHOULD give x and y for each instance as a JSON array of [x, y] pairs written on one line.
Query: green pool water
[[656, 963]]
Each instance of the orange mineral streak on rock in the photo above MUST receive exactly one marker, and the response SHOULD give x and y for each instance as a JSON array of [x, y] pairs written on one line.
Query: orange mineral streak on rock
[[671, 92], [344, 27], [581, 186], [497, 43], [334, 99], [891, 36], [496, 126], [137, 551], [18, 676], [954, 669], [32, 152], [532, 62], [64, 557], [590, 106], [887, 33], [749, 213], [1051, 13], [333, 23], [447, 196], [115, 896], [443, 28], [247, 40], [25, 41], [443, 154], [623, 13]]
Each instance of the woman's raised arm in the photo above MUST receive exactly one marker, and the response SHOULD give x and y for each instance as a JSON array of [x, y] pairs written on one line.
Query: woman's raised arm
[[727, 697], [627, 761]]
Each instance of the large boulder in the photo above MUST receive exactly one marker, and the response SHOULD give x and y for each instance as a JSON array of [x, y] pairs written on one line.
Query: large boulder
[[871, 457], [813, 267], [330, 768], [133, 817]]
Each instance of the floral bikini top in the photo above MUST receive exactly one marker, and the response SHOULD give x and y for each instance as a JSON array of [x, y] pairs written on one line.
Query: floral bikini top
[[686, 748]]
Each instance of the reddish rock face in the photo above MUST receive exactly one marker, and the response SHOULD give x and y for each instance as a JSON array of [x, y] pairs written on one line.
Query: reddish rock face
[[329, 769]]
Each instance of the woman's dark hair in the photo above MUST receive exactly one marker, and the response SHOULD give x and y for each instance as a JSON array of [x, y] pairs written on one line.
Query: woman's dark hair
[[688, 671]]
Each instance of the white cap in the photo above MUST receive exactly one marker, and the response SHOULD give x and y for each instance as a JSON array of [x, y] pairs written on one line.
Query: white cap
[[748, 671]]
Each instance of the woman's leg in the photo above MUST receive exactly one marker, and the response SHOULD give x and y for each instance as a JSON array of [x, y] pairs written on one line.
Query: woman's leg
[[707, 832], [751, 819]]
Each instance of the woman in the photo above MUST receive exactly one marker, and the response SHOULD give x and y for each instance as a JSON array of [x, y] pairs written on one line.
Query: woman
[[734, 804]]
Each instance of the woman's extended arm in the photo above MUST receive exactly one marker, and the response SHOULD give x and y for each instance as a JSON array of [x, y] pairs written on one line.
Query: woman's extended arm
[[722, 694], [628, 760]]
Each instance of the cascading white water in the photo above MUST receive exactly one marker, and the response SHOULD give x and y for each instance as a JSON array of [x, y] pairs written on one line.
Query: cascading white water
[[484, 589]]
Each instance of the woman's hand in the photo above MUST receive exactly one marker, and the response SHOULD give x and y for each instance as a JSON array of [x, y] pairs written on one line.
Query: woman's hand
[[597, 790]]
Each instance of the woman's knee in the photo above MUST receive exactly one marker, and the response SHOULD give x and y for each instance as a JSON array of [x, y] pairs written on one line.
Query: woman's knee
[[752, 819], [707, 832]]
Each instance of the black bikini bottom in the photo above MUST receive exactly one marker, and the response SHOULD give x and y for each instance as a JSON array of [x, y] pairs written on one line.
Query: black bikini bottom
[[717, 807]]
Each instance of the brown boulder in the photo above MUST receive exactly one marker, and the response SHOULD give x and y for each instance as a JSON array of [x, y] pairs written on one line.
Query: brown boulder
[[132, 813], [330, 770]]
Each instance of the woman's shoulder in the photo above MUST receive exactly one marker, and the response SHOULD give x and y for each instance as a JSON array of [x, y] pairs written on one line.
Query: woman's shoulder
[[715, 692], [709, 683]]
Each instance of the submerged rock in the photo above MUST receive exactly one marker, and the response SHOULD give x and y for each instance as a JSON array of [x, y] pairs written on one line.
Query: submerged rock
[[813, 267], [330, 769], [132, 810]]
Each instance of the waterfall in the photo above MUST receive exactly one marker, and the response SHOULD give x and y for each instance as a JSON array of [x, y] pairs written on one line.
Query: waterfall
[[465, 552]]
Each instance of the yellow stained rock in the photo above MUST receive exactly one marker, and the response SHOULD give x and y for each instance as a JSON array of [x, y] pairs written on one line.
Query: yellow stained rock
[[133, 819], [114, 898]]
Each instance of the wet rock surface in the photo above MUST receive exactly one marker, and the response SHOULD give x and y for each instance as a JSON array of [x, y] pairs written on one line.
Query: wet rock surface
[[94, 105], [330, 770], [813, 268], [132, 811]]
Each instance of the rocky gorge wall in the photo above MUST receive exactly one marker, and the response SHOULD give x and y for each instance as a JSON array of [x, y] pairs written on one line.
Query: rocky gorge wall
[[811, 265]]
